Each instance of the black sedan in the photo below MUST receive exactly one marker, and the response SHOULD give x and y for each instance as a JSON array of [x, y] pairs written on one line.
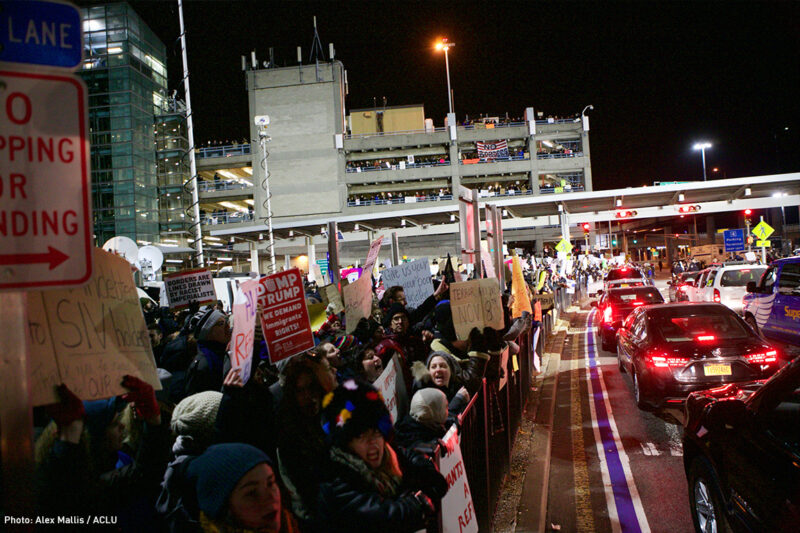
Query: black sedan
[[616, 305], [741, 453], [671, 350]]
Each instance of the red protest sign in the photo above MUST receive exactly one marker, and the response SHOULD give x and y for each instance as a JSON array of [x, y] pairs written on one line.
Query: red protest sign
[[284, 316], [244, 323]]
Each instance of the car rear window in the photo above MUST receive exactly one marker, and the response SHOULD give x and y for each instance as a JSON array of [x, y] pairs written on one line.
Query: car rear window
[[694, 323], [622, 273], [740, 277], [648, 296], [690, 277]]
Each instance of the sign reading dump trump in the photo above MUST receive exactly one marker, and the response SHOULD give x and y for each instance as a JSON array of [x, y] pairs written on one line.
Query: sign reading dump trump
[[89, 338], [190, 286], [284, 316]]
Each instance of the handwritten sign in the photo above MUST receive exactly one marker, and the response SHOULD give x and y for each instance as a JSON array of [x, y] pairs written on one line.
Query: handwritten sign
[[414, 277], [457, 511], [89, 338], [190, 286], [284, 316], [244, 323], [372, 255], [331, 295], [357, 302], [392, 387], [350, 274], [315, 273], [519, 289], [316, 313], [476, 304]]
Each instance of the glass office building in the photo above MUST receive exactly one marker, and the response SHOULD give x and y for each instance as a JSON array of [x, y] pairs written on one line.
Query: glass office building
[[124, 68]]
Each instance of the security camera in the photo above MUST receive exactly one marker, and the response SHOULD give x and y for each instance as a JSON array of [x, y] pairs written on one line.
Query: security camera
[[262, 120]]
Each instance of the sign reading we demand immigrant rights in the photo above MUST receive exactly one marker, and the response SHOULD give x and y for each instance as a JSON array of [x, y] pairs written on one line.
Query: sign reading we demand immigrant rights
[[284, 316]]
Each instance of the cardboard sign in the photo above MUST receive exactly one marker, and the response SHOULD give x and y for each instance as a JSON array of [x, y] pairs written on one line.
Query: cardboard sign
[[476, 304], [457, 512], [89, 338], [393, 389], [357, 302], [316, 313], [331, 295], [315, 274], [350, 274], [372, 255], [414, 277], [488, 264], [244, 324], [190, 286], [519, 289], [284, 316]]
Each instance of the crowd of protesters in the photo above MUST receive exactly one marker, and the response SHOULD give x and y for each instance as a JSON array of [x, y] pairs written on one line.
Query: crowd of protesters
[[303, 445]]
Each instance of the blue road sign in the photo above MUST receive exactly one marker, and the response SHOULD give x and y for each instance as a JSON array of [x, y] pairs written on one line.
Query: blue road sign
[[734, 240], [40, 33]]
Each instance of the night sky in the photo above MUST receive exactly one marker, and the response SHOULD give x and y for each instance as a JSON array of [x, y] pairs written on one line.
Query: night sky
[[660, 75]]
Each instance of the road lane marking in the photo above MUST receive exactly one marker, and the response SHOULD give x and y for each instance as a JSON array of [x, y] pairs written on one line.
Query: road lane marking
[[648, 448], [622, 497], [583, 502]]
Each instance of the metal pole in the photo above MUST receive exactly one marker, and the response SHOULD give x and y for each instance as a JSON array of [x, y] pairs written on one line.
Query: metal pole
[[198, 230], [333, 253], [476, 243], [447, 68], [610, 247], [747, 237], [262, 141], [763, 248], [703, 152], [395, 249]]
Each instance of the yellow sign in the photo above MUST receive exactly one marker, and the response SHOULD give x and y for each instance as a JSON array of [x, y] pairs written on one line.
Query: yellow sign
[[563, 183], [765, 244], [559, 190], [564, 246], [763, 230]]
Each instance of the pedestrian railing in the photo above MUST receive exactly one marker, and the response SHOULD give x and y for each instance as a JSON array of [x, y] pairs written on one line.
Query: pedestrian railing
[[223, 151]]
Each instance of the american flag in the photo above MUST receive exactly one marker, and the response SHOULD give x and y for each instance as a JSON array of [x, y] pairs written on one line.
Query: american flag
[[495, 150]]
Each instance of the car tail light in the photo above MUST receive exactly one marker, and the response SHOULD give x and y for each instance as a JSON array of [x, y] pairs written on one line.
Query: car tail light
[[662, 360], [637, 303], [705, 338], [760, 358], [717, 296], [608, 313]]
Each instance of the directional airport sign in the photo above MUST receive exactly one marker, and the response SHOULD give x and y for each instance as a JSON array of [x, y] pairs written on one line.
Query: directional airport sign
[[734, 240], [33, 32], [45, 213], [763, 231]]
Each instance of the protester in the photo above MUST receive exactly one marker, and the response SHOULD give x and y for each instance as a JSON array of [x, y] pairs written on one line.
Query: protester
[[213, 334], [368, 484], [426, 422]]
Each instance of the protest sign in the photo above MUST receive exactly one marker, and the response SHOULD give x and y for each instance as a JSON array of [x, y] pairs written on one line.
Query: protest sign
[[536, 357], [350, 274], [476, 304], [443, 263], [331, 295], [316, 313], [315, 274], [284, 316], [414, 277], [244, 323], [190, 286], [457, 510], [357, 302], [372, 255], [89, 338], [393, 389], [519, 289]]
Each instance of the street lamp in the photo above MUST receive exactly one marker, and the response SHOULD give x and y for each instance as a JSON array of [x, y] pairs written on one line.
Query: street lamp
[[702, 147], [445, 45]]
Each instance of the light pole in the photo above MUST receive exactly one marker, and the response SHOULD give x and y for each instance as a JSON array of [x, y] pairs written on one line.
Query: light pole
[[702, 147], [445, 45]]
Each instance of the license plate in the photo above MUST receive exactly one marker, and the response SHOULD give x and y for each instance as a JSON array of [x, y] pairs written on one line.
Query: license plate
[[717, 370], [625, 285]]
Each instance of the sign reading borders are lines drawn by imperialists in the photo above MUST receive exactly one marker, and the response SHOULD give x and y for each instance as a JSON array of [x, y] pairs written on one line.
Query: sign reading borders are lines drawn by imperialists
[[284, 315], [45, 210], [90, 337], [372, 255], [457, 512], [245, 306], [357, 301], [476, 304], [393, 389], [414, 277], [190, 286]]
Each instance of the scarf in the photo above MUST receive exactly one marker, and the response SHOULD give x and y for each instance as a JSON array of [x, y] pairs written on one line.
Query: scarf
[[385, 480]]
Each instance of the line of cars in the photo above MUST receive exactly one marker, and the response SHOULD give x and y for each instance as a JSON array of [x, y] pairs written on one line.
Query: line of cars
[[741, 439]]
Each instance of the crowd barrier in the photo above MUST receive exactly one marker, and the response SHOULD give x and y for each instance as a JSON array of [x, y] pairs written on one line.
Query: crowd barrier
[[490, 422]]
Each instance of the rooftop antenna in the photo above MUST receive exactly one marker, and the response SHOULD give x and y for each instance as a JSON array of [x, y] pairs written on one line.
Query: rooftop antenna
[[316, 49]]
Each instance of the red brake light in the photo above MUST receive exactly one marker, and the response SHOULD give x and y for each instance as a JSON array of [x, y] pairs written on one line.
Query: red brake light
[[624, 269], [705, 338], [717, 296], [637, 303], [770, 356], [607, 314]]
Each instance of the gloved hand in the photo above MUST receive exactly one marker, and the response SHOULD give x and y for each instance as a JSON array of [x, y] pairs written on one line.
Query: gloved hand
[[493, 339], [68, 410], [426, 503], [476, 341], [142, 397]]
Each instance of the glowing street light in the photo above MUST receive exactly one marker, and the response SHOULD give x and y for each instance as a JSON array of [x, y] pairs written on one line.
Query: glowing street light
[[702, 147], [445, 45]]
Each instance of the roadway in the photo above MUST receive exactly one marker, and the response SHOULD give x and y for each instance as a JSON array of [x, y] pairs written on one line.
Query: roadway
[[612, 466]]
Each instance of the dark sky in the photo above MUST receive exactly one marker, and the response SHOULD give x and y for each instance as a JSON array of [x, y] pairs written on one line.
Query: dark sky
[[660, 75]]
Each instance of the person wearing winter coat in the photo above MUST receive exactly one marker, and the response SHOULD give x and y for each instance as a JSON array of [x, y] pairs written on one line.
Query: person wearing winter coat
[[237, 491], [369, 485], [213, 333], [426, 423], [442, 372]]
